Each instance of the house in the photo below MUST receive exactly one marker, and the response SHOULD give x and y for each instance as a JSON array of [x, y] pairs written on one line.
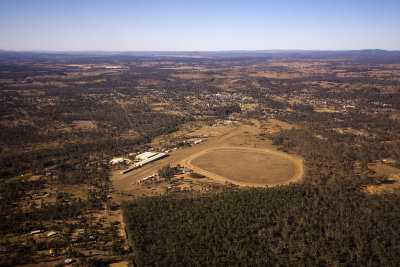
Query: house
[[51, 233], [36, 232], [119, 160]]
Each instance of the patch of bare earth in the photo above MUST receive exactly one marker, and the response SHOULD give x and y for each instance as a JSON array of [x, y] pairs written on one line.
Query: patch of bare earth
[[247, 166], [390, 183], [84, 124]]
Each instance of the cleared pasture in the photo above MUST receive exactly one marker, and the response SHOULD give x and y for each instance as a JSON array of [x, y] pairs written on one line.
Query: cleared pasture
[[247, 166]]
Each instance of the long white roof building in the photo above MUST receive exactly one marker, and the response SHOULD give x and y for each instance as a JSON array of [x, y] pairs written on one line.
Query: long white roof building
[[151, 159], [146, 155]]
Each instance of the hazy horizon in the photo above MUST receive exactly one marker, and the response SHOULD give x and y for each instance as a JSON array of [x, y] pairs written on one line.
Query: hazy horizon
[[198, 51]]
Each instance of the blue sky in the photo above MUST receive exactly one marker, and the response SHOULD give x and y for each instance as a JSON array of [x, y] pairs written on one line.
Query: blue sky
[[178, 25]]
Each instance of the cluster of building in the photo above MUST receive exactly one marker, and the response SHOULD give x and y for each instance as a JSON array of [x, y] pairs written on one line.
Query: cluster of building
[[144, 159], [148, 157]]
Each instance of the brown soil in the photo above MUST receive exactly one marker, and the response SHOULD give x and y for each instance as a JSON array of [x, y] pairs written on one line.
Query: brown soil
[[246, 165]]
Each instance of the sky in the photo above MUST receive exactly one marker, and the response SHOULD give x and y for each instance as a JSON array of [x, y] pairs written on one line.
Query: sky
[[203, 25]]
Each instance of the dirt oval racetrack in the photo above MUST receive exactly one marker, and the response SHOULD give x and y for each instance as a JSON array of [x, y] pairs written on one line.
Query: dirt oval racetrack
[[246, 166]]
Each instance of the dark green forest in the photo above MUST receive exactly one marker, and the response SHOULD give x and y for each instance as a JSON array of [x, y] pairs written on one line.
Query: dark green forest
[[298, 225]]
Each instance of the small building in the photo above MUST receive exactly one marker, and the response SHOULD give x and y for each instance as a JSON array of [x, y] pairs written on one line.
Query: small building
[[36, 232], [119, 160], [126, 171], [51, 233], [147, 178], [68, 261]]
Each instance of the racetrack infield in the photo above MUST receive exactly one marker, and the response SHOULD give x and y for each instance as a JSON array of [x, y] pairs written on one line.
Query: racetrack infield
[[245, 166]]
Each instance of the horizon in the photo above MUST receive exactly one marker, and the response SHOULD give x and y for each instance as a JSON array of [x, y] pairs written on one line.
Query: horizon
[[179, 25], [199, 51]]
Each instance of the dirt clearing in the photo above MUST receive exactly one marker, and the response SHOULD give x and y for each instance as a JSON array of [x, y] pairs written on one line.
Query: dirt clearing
[[246, 165]]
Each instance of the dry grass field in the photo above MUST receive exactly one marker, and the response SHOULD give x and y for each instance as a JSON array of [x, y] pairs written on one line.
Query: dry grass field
[[248, 166], [392, 182], [391, 186], [84, 124]]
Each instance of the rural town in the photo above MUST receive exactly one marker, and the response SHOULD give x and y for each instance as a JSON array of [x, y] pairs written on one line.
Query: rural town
[[180, 133]]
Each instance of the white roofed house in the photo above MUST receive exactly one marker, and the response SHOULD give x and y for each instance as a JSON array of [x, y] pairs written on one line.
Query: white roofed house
[[119, 160]]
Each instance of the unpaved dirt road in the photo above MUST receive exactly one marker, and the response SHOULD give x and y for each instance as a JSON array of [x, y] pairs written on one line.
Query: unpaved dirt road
[[287, 176]]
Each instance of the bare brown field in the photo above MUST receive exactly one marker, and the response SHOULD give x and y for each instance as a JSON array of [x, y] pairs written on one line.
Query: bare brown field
[[392, 182], [351, 131], [385, 169], [391, 185], [277, 125], [250, 166], [325, 109], [84, 124], [120, 264], [23, 85], [272, 74], [282, 124], [94, 81]]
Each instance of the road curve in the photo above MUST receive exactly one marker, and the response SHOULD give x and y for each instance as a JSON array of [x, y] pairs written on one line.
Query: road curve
[[296, 161]]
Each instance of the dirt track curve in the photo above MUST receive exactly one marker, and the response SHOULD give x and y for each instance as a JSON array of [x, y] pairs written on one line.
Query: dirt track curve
[[297, 162]]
